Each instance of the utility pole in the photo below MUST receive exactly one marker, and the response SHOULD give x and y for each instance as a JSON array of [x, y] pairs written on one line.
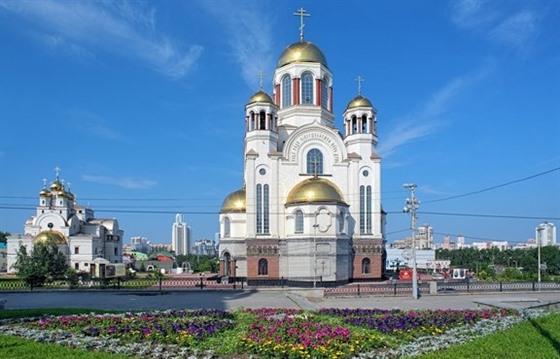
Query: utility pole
[[315, 225], [539, 238], [411, 206]]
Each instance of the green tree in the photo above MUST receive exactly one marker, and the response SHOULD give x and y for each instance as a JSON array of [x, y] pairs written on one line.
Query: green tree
[[44, 264], [4, 237]]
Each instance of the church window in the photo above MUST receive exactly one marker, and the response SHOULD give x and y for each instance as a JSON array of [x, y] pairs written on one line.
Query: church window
[[227, 227], [263, 218], [365, 209], [307, 89], [286, 91], [252, 121], [354, 125], [366, 266], [325, 93], [314, 162], [116, 251], [263, 266], [76, 250], [77, 266], [364, 124], [368, 209], [341, 222], [227, 264], [262, 120], [299, 221]]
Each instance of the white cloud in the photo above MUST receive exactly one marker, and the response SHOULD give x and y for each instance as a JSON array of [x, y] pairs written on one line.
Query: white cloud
[[94, 125], [428, 120], [498, 21], [250, 36], [122, 27], [125, 182], [516, 30]]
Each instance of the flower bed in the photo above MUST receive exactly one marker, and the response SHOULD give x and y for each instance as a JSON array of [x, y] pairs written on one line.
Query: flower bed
[[268, 333]]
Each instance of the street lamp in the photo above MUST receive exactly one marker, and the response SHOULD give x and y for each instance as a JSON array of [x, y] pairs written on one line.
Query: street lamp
[[411, 206], [539, 238], [315, 225]]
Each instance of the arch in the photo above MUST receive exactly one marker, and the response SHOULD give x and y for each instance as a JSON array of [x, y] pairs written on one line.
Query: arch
[[263, 266], [307, 88], [354, 125], [262, 120], [299, 221], [227, 264], [314, 162], [366, 266], [286, 91], [251, 121], [364, 124]]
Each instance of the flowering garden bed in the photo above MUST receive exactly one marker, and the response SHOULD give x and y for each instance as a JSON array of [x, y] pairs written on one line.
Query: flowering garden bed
[[266, 333]]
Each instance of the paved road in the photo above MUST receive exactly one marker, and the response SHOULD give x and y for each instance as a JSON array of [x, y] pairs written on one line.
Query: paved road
[[287, 298]]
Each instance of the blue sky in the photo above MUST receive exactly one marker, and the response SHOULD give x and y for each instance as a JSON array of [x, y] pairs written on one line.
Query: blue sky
[[141, 104]]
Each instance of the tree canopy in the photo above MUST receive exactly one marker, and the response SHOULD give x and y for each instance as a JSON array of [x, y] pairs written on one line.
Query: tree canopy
[[45, 263]]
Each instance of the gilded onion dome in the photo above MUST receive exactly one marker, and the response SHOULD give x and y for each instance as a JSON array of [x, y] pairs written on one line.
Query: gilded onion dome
[[315, 190], [302, 51], [50, 236], [44, 193], [359, 101], [260, 96], [56, 185], [234, 202]]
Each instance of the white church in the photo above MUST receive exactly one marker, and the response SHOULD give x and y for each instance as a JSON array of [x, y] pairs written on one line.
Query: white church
[[310, 209], [82, 238]]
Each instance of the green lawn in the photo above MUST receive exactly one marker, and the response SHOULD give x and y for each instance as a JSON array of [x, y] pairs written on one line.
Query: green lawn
[[532, 339]]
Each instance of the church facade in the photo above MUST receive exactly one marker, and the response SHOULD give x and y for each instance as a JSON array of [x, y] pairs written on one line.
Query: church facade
[[82, 238], [310, 210]]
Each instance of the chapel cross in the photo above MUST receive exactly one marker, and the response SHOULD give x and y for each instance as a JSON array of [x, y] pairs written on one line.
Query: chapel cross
[[57, 171], [315, 163], [261, 76], [359, 79], [301, 13]]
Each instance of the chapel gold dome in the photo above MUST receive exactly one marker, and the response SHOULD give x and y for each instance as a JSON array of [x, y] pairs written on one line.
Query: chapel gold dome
[[314, 190], [234, 202], [359, 101], [302, 51], [260, 96], [50, 236], [56, 185]]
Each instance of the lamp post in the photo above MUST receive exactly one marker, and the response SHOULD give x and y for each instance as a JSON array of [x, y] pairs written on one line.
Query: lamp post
[[411, 206], [315, 225], [539, 238]]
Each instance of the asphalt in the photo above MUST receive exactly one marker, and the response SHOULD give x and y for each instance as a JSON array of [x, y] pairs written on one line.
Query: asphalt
[[273, 298]]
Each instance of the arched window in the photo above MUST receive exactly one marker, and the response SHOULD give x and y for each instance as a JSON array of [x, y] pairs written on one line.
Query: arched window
[[263, 216], [262, 120], [354, 125], [227, 227], [314, 162], [364, 124], [325, 93], [307, 88], [365, 209], [286, 91], [263, 266], [252, 121], [227, 264], [366, 266], [341, 222], [299, 221]]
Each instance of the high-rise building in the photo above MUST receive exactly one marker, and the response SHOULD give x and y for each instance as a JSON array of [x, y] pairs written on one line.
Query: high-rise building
[[181, 236], [546, 234], [310, 207], [425, 239]]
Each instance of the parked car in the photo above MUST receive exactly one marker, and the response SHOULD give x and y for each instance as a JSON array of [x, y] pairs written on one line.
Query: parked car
[[446, 290]]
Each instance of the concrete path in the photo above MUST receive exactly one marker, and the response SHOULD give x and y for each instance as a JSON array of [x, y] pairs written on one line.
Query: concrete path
[[277, 298]]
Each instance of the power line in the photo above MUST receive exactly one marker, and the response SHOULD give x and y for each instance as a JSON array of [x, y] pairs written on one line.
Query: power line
[[493, 187], [491, 216]]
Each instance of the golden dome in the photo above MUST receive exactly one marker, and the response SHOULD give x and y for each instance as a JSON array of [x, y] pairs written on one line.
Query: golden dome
[[260, 96], [44, 192], [302, 51], [50, 236], [359, 101], [235, 202], [56, 185], [314, 190]]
